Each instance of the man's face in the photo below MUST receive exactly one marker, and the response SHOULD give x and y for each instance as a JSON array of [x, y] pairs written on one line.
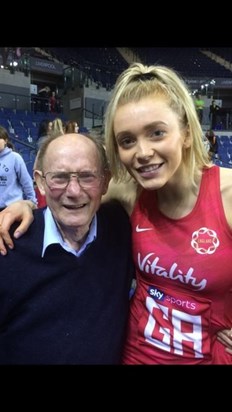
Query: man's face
[[74, 206]]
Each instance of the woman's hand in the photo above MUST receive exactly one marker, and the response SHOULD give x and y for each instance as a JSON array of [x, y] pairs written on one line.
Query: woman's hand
[[20, 211], [225, 337]]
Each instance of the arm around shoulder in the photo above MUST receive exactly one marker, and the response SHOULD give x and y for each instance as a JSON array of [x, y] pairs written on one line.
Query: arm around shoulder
[[20, 211]]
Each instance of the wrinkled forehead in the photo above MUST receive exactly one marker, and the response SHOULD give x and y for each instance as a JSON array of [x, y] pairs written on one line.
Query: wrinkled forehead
[[72, 152]]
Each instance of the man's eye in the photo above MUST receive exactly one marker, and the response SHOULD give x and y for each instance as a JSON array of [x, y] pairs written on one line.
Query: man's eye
[[60, 176], [86, 176]]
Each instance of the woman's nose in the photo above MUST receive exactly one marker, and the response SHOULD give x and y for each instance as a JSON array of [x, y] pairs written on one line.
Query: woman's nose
[[144, 152]]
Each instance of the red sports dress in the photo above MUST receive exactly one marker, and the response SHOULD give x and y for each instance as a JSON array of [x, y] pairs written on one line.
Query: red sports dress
[[184, 281]]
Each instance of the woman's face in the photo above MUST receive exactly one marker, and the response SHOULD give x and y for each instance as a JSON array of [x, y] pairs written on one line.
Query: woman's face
[[150, 140]]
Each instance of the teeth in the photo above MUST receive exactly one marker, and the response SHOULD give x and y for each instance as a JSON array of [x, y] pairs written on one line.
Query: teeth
[[74, 207], [149, 168]]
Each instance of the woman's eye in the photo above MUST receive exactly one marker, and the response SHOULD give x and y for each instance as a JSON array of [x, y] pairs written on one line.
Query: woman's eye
[[157, 133], [125, 141]]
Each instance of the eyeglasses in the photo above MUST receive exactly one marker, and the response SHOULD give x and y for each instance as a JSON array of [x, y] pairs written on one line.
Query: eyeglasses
[[60, 180]]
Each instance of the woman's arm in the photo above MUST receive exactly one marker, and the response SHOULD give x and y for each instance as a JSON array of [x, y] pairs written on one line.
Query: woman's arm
[[20, 211], [125, 192]]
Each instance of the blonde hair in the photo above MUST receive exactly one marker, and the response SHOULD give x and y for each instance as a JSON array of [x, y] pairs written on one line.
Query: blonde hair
[[139, 81], [57, 126]]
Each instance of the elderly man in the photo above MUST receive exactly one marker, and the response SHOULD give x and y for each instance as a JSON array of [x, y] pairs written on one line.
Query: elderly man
[[65, 287]]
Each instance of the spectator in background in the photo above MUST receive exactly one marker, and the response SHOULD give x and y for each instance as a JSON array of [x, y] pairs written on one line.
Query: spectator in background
[[43, 95], [199, 105], [71, 127], [44, 131], [213, 144], [44, 92], [15, 180], [57, 126], [52, 103], [213, 111]]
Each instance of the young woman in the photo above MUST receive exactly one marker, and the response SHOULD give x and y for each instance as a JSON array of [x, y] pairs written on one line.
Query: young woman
[[181, 223]]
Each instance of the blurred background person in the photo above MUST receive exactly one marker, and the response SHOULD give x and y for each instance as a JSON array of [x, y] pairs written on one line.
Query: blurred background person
[[44, 131], [57, 126], [52, 102], [15, 180], [213, 111], [43, 95], [71, 127], [199, 105], [213, 144]]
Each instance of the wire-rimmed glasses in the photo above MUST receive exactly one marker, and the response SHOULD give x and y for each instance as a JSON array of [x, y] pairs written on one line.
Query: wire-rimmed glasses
[[60, 180]]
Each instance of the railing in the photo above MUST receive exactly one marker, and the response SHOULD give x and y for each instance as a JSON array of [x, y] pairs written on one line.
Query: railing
[[94, 116], [23, 143], [15, 101]]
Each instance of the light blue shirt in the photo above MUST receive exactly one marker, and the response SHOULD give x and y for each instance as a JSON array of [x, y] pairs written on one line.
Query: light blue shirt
[[52, 234]]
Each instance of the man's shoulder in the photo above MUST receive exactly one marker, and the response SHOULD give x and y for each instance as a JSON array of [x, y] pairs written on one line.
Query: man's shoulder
[[113, 211], [36, 226], [113, 224], [112, 205]]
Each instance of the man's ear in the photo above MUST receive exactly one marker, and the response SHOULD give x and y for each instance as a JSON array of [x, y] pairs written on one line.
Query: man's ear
[[40, 182]]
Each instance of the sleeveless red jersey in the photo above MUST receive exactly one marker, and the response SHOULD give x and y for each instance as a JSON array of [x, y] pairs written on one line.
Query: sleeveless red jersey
[[184, 281]]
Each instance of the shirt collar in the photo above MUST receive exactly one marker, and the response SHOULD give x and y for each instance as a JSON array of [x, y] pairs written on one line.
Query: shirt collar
[[52, 234]]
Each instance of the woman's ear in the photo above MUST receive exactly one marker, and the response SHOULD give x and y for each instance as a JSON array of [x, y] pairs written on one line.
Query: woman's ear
[[187, 139], [40, 181]]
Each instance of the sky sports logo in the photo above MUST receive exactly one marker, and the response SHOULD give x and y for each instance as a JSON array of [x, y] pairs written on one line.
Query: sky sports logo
[[157, 294]]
